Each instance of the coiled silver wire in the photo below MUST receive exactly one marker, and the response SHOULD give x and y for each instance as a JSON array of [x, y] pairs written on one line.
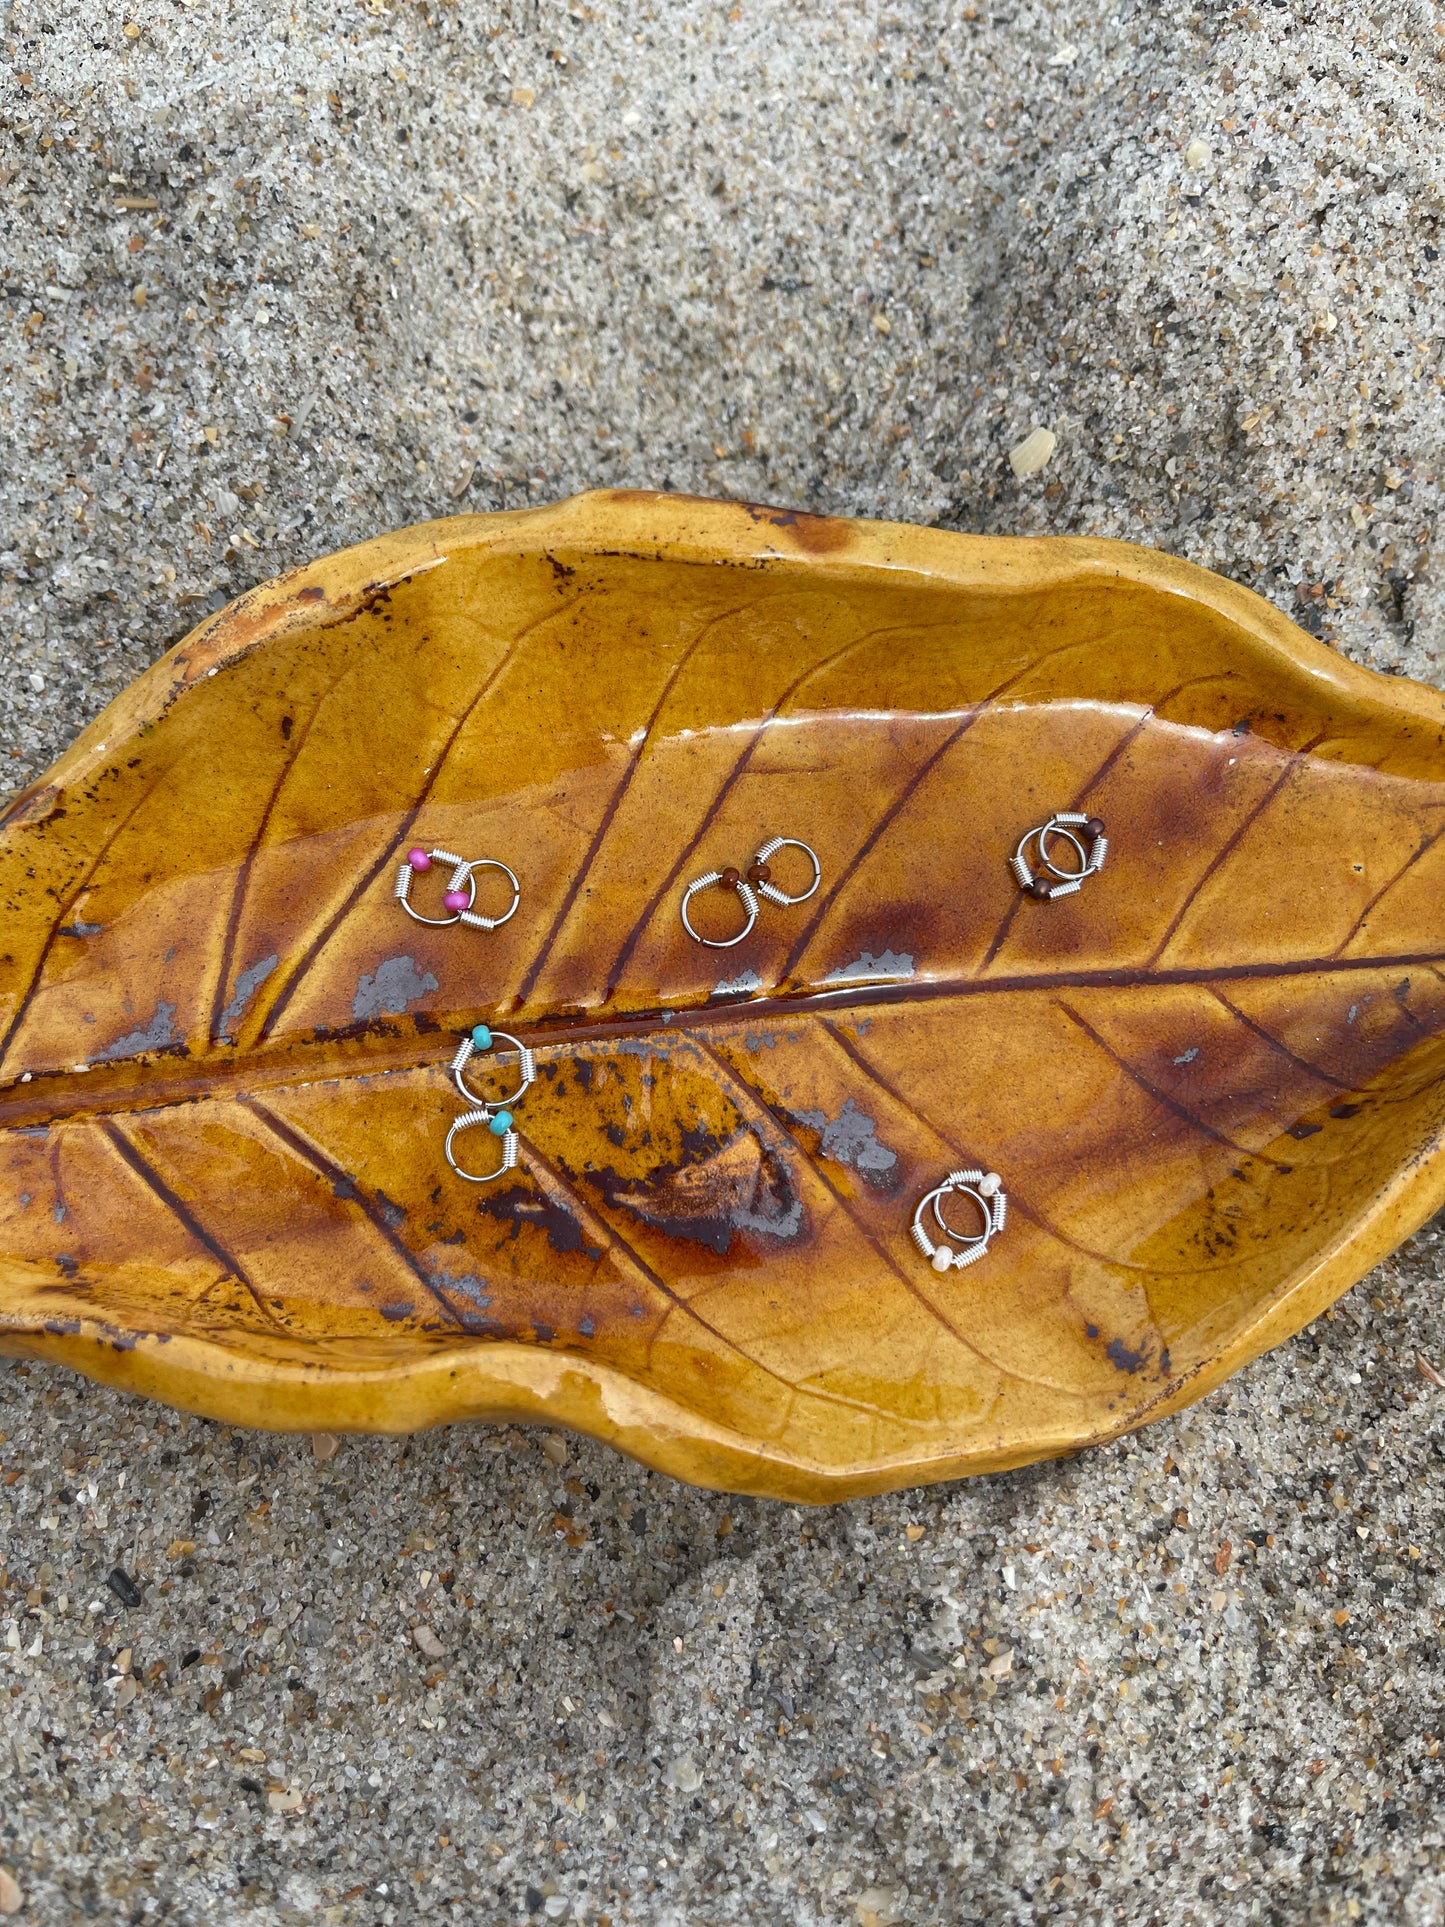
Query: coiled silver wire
[[527, 1067], [749, 893], [747, 896], [985, 1188], [1067, 883], [770, 889], [466, 1122], [463, 876]]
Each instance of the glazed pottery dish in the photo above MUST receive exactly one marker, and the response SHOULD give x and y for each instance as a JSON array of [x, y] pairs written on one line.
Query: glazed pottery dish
[[821, 1006]]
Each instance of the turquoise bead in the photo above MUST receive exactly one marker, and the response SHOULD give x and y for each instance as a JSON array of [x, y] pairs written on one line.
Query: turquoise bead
[[482, 1037], [501, 1124]]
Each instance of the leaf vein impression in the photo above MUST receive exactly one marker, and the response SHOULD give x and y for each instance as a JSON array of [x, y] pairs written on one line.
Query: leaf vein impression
[[767, 1119], [614, 804], [112, 1088], [674, 1299], [231, 1266], [297, 975]]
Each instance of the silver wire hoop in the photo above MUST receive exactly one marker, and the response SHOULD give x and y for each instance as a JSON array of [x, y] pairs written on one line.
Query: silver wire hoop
[[985, 1188], [747, 896], [469, 1047], [463, 870], [767, 888], [509, 1147], [461, 874], [1052, 828], [492, 923], [1065, 824]]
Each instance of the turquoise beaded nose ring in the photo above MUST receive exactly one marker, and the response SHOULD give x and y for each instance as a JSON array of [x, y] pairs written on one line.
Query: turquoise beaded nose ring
[[491, 1111]]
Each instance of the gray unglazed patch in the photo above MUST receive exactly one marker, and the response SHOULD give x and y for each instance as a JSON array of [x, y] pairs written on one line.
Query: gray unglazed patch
[[156, 1035], [468, 1284], [868, 969], [786, 1224], [774, 1207], [637, 1047], [850, 1138], [396, 984], [742, 986], [247, 984], [79, 929]]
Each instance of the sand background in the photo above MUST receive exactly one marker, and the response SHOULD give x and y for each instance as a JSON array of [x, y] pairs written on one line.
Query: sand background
[[278, 278]]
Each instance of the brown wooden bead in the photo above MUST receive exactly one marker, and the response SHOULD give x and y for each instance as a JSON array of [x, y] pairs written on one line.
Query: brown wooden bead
[[731, 878], [1094, 827], [759, 873], [1039, 888]]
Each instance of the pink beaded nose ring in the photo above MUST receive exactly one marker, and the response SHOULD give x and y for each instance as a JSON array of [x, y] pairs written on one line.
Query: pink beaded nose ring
[[758, 882], [461, 890], [985, 1188], [1073, 829], [489, 1111]]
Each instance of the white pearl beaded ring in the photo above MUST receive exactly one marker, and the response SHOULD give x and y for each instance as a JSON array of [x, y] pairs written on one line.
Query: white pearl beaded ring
[[986, 1190]]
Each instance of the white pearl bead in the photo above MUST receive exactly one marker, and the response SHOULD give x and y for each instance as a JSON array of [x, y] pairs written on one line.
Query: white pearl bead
[[942, 1258]]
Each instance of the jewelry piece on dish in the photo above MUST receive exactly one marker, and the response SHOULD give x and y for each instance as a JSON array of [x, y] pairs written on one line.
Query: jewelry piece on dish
[[481, 1039], [730, 880], [757, 882], [492, 1112], [760, 874], [461, 891], [499, 1123], [1066, 824], [986, 1190]]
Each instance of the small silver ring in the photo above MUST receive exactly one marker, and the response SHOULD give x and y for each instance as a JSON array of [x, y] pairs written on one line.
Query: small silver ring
[[468, 1051], [463, 874], [1054, 828], [715, 943], [776, 843], [985, 1211], [1067, 883], [492, 863], [509, 1148], [986, 1191]]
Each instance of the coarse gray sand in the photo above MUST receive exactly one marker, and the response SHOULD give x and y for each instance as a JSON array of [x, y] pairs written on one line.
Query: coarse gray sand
[[279, 278]]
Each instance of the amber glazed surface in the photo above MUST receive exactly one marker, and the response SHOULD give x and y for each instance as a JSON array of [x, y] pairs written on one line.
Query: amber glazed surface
[[1213, 1080]]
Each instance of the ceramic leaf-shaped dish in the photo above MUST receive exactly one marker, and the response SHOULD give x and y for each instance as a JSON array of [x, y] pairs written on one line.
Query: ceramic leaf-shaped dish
[[1211, 1079]]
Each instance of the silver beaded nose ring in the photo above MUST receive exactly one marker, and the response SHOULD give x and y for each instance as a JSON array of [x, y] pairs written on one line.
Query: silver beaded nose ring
[[1074, 830], [985, 1188], [757, 882], [491, 1111], [461, 890]]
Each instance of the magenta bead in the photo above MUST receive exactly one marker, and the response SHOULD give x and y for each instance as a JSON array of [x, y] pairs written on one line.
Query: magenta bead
[[418, 859], [456, 899]]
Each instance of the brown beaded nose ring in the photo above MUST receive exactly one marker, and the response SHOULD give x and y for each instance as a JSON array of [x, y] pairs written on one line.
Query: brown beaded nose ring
[[986, 1190], [461, 890], [758, 882], [1073, 829]]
